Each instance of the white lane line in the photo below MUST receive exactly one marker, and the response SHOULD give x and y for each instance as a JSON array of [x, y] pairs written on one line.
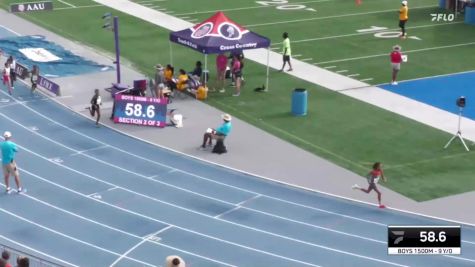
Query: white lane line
[[306, 59], [37, 251], [159, 231], [105, 225], [163, 222], [287, 22], [88, 150], [341, 71], [72, 238], [354, 75], [228, 211], [226, 221], [272, 5], [66, 3], [227, 185], [249, 200], [328, 67], [298, 55], [137, 245], [405, 52], [116, 166]]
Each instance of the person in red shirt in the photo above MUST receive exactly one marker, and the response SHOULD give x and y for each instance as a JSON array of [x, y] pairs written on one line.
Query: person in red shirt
[[221, 64], [396, 59], [373, 178], [5, 258]]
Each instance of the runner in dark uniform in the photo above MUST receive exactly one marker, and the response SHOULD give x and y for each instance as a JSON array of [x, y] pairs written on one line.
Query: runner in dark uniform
[[95, 106]]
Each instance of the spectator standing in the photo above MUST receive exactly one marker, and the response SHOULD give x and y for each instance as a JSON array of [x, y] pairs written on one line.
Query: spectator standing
[[95, 108], [159, 81], [9, 149], [23, 261], [237, 74], [221, 132], [403, 17], [174, 261], [221, 63], [6, 258], [396, 59], [6, 77], [35, 73], [286, 51], [12, 62], [373, 178]]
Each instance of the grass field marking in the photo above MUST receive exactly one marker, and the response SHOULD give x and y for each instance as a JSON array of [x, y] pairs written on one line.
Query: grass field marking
[[248, 7], [367, 79], [389, 167], [69, 237], [66, 3], [341, 71], [363, 33], [332, 17], [327, 67], [354, 75], [306, 59], [77, 7], [148, 1], [406, 52], [297, 55], [355, 164], [37, 251]]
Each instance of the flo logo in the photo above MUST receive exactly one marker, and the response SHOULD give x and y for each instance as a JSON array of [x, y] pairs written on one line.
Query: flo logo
[[442, 17], [229, 31], [203, 30]]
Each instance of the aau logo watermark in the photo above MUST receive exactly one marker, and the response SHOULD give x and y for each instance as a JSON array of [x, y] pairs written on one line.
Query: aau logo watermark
[[442, 17]]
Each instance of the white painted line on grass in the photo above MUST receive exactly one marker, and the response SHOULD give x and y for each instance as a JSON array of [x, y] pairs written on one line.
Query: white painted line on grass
[[354, 75], [405, 52], [297, 55], [341, 71], [77, 7], [306, 59], [66, 3], [287, 22], [367, 79], [270, 5], [328, 67]]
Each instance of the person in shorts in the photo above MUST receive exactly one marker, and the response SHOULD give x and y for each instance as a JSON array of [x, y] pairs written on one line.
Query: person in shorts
[[396, 60], [403, 17], [286, 51], [373, 178], [219, 133], [35, 73], [6, 77], [9, 149], [221, 64], [95, 106]]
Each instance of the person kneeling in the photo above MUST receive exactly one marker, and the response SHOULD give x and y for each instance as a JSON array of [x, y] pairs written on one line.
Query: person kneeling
[[220, 133]]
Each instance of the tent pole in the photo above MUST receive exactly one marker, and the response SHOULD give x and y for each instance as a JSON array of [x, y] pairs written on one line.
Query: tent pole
[[171, 53], [206, 70], [267, 72]]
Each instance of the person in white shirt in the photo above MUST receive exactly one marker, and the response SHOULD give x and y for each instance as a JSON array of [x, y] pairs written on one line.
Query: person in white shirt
[[6, 77], [12, 62]]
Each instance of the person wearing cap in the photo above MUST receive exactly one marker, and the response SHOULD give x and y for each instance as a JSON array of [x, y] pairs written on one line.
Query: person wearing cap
[[219, 133], [286, 51], [174, 261], [9, 150], [396, 59], [403, 17]]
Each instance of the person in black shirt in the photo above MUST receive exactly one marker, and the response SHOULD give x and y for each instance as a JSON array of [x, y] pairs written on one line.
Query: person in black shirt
[[95, 106]]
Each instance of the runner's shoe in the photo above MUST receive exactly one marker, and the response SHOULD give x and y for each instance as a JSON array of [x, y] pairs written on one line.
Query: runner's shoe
[[381, 206], [8, 190], [355, 186]]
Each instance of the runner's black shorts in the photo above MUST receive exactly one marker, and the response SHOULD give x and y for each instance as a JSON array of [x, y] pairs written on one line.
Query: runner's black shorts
[[286, 58]]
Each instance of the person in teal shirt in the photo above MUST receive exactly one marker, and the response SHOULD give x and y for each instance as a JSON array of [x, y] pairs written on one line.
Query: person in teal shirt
[[219, 133], [9, 150]]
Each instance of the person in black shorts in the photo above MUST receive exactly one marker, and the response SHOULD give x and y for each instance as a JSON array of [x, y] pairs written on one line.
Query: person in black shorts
[[35, 72], [95, 106]]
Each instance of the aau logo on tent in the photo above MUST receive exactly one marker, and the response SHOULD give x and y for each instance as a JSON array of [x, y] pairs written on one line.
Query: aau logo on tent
[[229, 31], [202, 30]]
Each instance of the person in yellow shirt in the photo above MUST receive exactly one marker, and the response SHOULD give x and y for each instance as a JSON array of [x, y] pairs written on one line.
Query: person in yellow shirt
[[182, 82], [286, 51], [403, 17]]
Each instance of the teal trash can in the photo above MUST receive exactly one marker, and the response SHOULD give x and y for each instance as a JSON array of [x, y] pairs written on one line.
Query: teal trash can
[[442, 4], [299, 102], [470, 14]]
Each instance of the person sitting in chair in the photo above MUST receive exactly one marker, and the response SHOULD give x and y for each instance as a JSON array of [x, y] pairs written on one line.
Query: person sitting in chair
[[219, 133], [182, 82]]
